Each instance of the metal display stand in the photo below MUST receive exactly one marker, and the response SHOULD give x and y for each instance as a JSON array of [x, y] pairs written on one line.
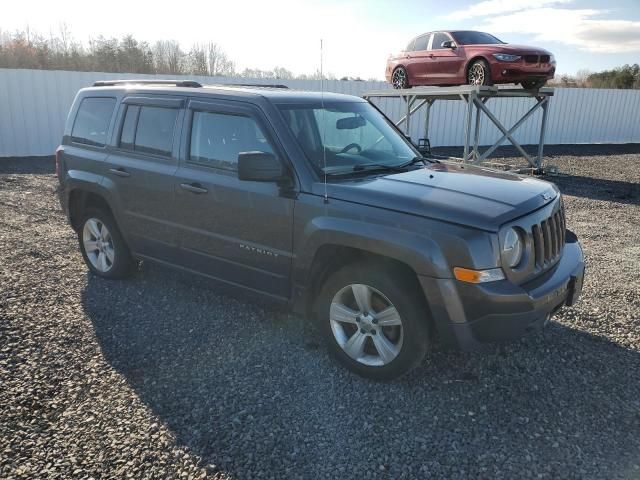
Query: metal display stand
[[476, 98]]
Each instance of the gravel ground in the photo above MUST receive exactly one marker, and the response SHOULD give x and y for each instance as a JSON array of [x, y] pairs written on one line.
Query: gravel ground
[[162, 376]]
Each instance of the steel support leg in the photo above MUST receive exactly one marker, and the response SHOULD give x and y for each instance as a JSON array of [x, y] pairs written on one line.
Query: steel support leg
[[470, 99], [544, 103]]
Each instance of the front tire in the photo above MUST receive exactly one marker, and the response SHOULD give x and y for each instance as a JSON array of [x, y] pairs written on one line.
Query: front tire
[[103, 248], [400, 78], [479, 73], [373, 320]]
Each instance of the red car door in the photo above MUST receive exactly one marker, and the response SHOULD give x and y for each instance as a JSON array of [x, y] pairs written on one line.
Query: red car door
[[417, 61], [446, 63]]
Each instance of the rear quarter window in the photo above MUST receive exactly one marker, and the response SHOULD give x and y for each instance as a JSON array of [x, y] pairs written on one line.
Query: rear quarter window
[[91, 124]]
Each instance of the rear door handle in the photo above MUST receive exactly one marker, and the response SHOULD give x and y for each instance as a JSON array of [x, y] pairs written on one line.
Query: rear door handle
[[120, 172], [193, 187]]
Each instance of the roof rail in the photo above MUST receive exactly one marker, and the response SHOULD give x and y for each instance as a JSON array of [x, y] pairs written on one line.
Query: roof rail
[[253, 85], [177, 83]]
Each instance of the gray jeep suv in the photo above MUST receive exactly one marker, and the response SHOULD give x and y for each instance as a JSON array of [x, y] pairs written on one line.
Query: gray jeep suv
[[316, 200]]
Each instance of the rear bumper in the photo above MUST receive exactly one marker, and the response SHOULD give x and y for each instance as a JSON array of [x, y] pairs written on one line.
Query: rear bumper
[[466, 315]]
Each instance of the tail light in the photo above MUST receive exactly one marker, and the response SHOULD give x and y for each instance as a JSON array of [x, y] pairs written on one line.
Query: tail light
[[59, 151]]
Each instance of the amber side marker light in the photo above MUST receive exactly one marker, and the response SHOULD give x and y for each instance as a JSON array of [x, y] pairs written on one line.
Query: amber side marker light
[[478, 276]]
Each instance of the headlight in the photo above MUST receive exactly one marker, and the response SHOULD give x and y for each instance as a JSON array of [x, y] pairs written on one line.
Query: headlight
[[552, 59], [512, 248], [505, 57]]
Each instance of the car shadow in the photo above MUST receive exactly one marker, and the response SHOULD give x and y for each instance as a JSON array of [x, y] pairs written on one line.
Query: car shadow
[[551, 151], [246, 385], [597, 188]]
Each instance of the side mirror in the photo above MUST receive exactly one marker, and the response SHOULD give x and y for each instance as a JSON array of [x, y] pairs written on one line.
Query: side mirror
[[259, 167], [448, 44]]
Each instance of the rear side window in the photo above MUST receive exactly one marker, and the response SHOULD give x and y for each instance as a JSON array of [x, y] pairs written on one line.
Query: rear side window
[[218, 138], [149, 129], [92, 121]]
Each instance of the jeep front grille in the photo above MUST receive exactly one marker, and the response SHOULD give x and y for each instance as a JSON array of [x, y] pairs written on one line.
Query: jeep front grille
[[548, 239]]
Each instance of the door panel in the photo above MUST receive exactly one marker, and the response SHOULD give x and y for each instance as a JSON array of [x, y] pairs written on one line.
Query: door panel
[[140, 170], [234, 230], [418, 61], [446, 63]]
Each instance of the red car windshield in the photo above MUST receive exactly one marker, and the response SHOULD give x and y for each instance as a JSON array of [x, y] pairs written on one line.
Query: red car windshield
[[470, 37]]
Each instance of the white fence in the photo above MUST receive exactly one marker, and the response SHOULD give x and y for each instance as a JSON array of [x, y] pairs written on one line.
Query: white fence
[[34, 106]]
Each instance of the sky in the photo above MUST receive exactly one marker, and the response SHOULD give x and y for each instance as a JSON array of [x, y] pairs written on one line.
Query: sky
[[358, 35]]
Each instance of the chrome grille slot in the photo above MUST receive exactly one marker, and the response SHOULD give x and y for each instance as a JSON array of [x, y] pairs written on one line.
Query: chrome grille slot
[[548, 238], [531, 58], [538, 248]]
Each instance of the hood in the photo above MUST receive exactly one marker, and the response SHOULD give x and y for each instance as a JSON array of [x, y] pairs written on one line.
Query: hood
[[463, 194], [508, 48]]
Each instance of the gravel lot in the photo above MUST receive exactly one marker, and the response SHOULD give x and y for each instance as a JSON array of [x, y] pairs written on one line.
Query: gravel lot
[[162, 376]]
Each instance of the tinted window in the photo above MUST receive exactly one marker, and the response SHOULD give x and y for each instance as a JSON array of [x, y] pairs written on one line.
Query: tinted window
[[92, 121], [217, 139], [438, 38], [154, 132], [422, 42], [410, 46], [129, 127], [475, 38]]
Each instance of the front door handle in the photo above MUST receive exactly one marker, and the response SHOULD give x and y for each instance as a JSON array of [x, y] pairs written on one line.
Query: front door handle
[[193, 188], [120, 172]]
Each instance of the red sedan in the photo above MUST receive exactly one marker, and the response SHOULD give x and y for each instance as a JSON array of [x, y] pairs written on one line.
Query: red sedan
[[459, 57]]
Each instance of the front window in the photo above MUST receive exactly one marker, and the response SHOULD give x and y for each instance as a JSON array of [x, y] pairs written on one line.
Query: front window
[[345, 137], [475, 38]]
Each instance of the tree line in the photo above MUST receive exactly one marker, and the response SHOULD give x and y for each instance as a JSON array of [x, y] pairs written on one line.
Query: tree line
[[61, 51], [625, 77]]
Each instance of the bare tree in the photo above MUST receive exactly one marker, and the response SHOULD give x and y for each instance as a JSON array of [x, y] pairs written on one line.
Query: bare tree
[[218, 62]]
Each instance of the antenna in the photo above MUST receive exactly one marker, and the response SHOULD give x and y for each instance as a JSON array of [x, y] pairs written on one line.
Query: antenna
[[324, 129]]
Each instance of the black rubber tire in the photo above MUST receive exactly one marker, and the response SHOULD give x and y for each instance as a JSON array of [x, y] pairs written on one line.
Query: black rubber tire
[[533, 84], [487, 72], [404, 294], [124, 263], [405, 83]]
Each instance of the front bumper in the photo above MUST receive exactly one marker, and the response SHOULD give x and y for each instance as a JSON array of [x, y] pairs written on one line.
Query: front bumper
[[466, 315], [519, 72]]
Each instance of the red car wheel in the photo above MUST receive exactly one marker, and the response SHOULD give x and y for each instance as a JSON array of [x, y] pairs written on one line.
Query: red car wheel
[[400, 78], [479, 73]]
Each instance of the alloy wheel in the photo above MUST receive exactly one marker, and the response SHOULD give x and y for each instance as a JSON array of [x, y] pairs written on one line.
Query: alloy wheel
[[366, 325], [98, 244], [399, 79], [476, 74]]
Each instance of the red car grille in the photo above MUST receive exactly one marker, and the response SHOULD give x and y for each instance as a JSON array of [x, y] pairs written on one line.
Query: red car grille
[[536, 58]]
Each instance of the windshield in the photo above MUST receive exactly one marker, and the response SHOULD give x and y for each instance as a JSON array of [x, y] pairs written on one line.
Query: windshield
[[351, 135], [475, 38]]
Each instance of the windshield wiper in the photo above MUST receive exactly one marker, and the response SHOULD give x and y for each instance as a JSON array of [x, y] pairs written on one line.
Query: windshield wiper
[[377, 166], [418, 159]]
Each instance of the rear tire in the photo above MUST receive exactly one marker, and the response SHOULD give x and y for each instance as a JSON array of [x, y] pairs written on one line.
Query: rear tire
[[400, 78], [479, 73], [103, 248], [374, 320], [533, 84]]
